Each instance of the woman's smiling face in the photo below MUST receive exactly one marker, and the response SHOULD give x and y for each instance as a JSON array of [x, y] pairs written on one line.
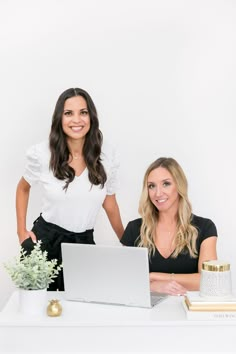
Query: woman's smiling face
[[162, 189], [75, 118]]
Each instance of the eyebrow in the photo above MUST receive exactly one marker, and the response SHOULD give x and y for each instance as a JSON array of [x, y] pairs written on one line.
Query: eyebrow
[[163, 180], [70, 110]]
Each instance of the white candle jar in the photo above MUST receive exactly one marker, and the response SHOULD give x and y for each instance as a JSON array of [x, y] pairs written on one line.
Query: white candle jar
[[215, 280]]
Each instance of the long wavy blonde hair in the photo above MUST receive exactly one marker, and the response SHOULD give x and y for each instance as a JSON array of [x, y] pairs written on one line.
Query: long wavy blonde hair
[[186, 235]]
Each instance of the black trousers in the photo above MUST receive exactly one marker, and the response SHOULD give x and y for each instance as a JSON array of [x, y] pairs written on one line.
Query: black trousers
[[52, 236]]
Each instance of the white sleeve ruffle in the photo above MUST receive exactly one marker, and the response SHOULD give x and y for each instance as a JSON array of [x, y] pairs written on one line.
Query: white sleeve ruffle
[[111, 166], [33, 165]]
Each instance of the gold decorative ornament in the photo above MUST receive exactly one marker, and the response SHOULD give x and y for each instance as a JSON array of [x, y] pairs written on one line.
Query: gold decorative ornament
[[54, 308]]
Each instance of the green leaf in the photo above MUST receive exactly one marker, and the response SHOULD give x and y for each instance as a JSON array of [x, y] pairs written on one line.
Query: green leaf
[[33, 271]]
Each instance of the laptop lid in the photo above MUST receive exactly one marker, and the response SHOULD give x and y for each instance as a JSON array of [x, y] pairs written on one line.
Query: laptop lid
[[106, 274]]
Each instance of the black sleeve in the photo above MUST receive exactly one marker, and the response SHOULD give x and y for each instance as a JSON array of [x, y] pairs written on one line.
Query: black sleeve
[[209, 229], [206, 228], [131, 233]]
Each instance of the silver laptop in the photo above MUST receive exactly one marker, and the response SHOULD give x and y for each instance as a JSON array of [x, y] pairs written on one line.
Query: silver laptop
[[108, 274]]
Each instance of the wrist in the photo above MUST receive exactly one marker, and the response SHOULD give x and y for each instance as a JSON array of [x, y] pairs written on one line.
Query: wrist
[[22, 234]]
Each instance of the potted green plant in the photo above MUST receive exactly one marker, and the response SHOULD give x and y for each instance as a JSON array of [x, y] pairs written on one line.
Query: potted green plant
[[32, 273]]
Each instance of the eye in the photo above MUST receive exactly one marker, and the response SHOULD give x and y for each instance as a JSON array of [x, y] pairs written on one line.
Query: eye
[[151, 186], [84, 113], [67, 113], [166, 184]]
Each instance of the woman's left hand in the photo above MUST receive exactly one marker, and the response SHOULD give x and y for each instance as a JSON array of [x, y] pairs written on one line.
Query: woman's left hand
[[170, 287]]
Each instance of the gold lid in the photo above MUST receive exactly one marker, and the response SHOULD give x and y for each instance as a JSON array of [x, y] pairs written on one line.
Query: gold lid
[[215, 266]]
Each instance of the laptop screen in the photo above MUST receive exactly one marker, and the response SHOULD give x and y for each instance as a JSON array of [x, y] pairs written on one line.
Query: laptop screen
[[106, 274]]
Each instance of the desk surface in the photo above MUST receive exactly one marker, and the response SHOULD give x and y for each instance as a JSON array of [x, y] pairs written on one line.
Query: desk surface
[[105, 324], [169, 312]]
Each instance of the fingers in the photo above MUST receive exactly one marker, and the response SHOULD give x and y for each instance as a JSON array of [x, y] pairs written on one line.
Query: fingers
[[168, 287], [28, 234], [176, 288], [33, 237]]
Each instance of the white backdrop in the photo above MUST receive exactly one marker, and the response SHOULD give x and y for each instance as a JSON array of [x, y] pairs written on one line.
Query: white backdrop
[[162, 75]]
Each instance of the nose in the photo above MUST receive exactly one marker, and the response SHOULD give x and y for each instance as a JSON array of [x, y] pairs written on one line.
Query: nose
[[76, 117], [158, 190]]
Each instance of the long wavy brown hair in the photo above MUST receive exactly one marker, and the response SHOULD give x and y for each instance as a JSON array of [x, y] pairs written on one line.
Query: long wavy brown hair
[[186, 235], [92, 145]]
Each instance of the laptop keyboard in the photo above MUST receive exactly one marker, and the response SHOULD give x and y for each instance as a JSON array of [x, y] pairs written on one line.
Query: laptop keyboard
[[157, 298]]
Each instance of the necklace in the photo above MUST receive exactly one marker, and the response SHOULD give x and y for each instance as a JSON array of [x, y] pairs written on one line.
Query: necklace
[[165, 239]]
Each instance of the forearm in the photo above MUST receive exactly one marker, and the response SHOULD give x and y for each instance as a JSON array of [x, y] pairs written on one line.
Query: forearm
[[113, 213], [190, 281], [116, 223], [22, 198]]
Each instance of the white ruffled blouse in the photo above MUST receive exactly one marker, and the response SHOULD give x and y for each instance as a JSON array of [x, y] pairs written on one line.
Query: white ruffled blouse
[[77, 208]]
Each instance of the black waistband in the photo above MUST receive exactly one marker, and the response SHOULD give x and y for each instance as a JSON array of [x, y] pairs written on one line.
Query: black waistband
[[53, 235], [43, 223]]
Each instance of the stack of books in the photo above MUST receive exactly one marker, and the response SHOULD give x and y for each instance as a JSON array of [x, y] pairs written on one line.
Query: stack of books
[[200, 308]]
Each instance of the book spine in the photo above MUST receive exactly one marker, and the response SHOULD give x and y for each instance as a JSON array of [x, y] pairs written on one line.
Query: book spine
[[215, 307], [223, 316], [211, 315]]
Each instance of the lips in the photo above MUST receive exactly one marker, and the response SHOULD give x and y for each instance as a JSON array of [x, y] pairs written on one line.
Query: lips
[[77, 129], [161, 201]]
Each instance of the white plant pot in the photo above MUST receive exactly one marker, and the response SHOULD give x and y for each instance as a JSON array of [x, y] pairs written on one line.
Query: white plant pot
[[33, 302]]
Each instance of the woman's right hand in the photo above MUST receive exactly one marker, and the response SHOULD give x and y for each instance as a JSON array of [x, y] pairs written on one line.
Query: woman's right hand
[[26, 235]]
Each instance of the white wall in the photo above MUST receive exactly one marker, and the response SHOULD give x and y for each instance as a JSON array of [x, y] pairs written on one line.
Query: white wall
[[162, 75]]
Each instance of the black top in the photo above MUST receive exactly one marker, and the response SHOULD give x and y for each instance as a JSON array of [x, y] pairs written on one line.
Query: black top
[[184, 263]]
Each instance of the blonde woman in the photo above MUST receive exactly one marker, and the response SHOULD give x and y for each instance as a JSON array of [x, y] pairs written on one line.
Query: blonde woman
[[177, 240]]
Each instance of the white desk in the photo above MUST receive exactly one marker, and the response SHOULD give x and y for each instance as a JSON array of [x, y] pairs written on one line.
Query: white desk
[[105, 328]]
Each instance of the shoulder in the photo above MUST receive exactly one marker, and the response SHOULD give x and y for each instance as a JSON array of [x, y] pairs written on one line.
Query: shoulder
[[38, 156], [110, 161], [201, 221], [205, 226], [41, 148], [135, 223], [109, 151], [132, 232]]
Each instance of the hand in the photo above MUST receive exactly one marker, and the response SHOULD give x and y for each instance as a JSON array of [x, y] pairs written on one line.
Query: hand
[[28, 234], [170, 287]]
